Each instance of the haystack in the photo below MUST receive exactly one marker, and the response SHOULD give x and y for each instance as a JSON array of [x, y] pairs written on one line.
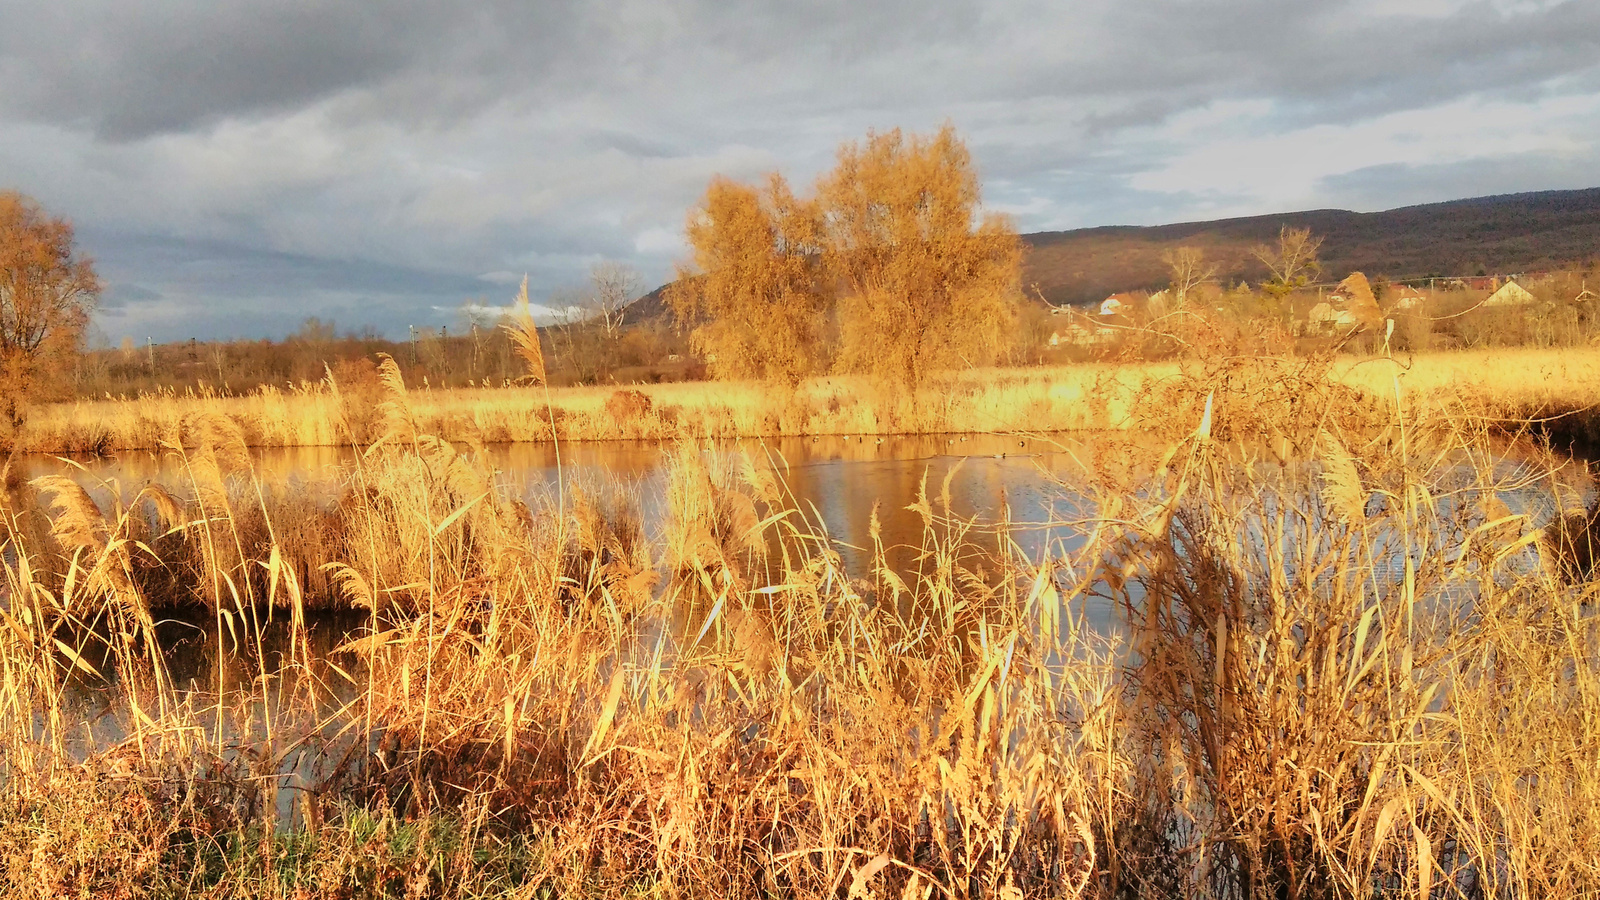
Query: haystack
[[1359, 302]]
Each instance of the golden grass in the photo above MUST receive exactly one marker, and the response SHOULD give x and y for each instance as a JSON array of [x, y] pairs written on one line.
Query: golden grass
[[1352, 673], [1497, 383], [1530, 377]]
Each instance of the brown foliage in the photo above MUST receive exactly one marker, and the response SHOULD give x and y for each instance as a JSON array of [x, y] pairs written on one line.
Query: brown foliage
[[893, 241], [927, 284], [754, 288], [1363, 305], [46, 292], [525, 337], [626, 406]]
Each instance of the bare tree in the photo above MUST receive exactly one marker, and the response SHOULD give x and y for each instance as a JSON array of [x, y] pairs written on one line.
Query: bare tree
[[575, 335], [612, 286], [46, 293], [1292, 263], [477, 320], [219, 358], [1189, 271]]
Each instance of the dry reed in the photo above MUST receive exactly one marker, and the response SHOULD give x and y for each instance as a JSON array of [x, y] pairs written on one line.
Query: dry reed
[[1348, 671]]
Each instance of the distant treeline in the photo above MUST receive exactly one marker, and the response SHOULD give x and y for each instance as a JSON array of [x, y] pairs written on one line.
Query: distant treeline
[[477, 355]]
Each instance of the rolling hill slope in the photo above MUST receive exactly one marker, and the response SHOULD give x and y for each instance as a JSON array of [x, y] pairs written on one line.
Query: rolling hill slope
[[1504, 234]]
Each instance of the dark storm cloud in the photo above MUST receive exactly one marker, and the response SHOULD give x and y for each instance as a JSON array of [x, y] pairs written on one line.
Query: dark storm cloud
[[133, 70], [247, 162]]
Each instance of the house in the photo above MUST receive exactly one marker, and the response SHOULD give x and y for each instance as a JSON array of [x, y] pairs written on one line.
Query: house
[[1407, 298], [1512, 294], [1077, 334], [1090, 330], [1119, 304], [1326, 317]]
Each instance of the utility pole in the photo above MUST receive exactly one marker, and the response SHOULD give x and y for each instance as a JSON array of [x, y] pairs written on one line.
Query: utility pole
[[150, 345], [413, 344]]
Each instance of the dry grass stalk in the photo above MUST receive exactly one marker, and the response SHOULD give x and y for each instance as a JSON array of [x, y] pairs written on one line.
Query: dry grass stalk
[[1337, 681]]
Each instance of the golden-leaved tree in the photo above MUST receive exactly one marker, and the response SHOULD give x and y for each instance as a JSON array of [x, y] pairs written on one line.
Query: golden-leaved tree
[[754, 289], [927, 283], [46, 293], [894, 243]]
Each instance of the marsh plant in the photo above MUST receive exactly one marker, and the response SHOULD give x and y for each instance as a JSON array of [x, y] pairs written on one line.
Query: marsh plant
[[1368, 670]]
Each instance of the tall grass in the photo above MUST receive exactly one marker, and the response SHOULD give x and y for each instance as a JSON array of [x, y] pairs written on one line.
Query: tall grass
[[1349, 670], [1504, 384]]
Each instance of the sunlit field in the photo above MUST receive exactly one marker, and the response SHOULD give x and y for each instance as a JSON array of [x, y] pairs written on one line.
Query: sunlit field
[[1354, 655], [1498, 383]]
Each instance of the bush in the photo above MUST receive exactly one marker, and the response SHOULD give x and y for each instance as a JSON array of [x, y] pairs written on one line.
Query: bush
[[626, 406]]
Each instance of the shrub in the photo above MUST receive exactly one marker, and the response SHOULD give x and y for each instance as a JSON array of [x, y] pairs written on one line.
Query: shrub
[[626, 406]]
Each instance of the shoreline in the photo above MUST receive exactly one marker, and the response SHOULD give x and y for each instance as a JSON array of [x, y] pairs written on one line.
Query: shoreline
[[1507, 386]]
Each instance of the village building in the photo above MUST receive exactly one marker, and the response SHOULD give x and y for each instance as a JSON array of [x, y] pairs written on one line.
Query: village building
[[1510, 294], [1407, 298], [1326, 316], [1094, 329], [1119, 304]]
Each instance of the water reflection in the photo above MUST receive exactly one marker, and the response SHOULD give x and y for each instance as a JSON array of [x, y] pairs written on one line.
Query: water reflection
[[841, 479], [843, 482]]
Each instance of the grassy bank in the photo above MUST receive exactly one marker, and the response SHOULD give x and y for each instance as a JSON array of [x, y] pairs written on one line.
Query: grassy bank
[[1356, 673], [1497, 383]]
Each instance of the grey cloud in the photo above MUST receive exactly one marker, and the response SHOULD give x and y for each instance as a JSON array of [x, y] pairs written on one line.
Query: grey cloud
[[263, 293], [253, 162], [136, 70], [1394, 185], [120, 294]]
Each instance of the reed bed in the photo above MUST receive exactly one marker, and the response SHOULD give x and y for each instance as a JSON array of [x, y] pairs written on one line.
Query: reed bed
[[1502, 384], [1366, 668]]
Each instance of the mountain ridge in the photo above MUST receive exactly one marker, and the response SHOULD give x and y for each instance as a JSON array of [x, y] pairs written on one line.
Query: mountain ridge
[[1505, 233], [1494, 234]]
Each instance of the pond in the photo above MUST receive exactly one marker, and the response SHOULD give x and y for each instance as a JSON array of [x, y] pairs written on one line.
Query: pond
[[841, 480], [842, 483]]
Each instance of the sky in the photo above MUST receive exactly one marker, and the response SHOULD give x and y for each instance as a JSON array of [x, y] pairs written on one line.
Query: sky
[[236, 167]]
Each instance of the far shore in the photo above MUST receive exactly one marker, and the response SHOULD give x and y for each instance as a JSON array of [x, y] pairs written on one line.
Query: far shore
[[1505, 385]]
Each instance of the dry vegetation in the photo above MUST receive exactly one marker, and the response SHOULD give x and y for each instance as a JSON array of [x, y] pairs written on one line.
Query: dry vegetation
[[891, 270], [1506, 385], [1368, 669]]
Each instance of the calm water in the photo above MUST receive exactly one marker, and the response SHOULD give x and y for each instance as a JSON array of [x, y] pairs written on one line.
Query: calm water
[[839, 479]]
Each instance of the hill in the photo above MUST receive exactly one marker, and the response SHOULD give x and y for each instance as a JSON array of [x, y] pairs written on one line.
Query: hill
[[1504, 234]]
